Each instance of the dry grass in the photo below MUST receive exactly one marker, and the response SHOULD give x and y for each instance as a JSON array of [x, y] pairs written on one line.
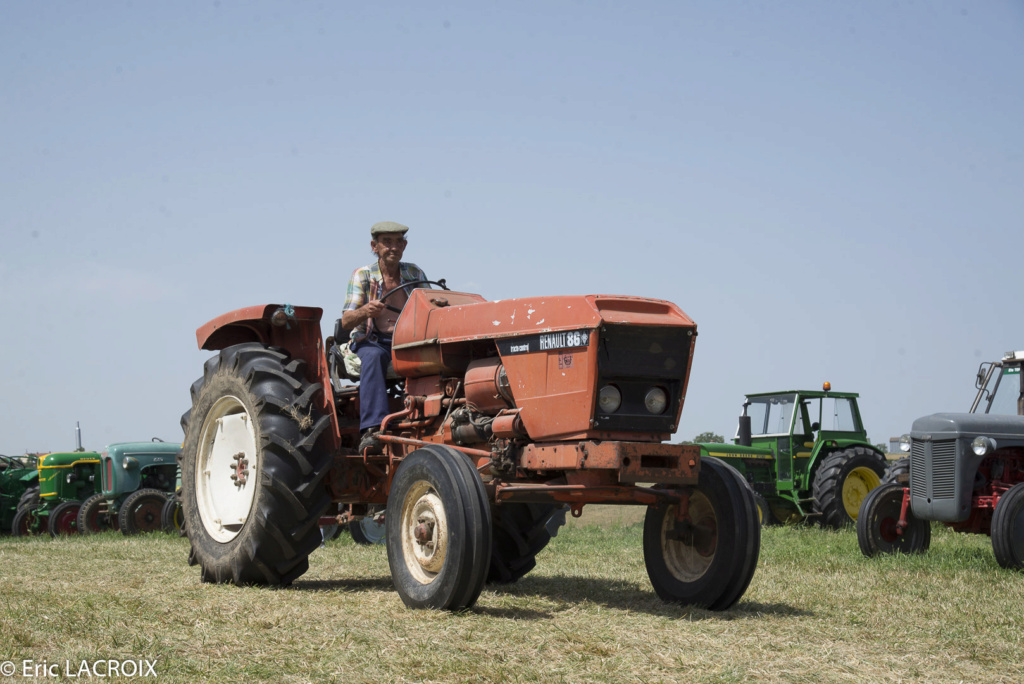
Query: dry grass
[[817, 611]]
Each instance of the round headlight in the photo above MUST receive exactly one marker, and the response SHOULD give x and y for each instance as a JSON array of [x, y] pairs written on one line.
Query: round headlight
[[609, 399], [656, 400], [905, 443], [982, 446]]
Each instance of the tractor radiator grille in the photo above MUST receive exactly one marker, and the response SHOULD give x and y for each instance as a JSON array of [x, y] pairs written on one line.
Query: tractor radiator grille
[[932, 469]]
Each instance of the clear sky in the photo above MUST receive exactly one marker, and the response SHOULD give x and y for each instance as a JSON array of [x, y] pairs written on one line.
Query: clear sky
[[833, 191]]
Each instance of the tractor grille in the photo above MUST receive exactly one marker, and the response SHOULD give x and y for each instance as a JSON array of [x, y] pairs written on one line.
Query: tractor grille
[[932, 469]]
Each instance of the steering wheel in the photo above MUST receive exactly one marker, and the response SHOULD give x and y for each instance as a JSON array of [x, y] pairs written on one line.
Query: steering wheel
[[392, 291]]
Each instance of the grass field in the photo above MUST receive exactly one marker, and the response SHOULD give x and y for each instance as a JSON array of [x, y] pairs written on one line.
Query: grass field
[[816, 611]]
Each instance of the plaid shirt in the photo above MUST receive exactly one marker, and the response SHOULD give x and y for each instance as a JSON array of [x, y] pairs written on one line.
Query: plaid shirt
[[367, 284]]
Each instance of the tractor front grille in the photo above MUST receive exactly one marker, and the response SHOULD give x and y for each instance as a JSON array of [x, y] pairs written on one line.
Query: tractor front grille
[[933, 469]]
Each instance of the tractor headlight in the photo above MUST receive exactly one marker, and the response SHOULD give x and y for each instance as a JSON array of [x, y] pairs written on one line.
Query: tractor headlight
[[905, 443], [656, 400], [609, 399], [983, 446]]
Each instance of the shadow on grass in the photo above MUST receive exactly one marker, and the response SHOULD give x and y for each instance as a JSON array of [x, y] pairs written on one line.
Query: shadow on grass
[[363, 584]]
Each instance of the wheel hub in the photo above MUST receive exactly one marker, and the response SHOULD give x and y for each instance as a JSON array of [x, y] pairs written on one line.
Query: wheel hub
[[856, 487], [424, 533]]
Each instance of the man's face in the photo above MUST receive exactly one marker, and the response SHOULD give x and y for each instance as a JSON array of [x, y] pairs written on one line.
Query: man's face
[[389, 247]]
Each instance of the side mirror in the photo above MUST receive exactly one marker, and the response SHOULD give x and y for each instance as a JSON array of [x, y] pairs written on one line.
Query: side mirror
[[815, 426]]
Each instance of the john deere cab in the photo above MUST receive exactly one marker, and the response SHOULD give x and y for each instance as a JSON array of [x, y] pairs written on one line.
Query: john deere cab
[[806, 455]]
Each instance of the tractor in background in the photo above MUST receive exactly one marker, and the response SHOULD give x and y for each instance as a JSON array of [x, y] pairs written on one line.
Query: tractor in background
[[806, 454], [503, 413], [19, 484], [965, 470], [66, 478]]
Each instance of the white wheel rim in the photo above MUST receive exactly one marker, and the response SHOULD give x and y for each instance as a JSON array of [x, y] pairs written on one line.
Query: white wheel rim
[[227, 446], [688, 562], [374, 532], [424, 557]]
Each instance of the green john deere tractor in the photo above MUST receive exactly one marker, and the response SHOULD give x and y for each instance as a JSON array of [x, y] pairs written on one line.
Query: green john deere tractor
[[806, 455], [19, 480], [138, 480], [65, 479]]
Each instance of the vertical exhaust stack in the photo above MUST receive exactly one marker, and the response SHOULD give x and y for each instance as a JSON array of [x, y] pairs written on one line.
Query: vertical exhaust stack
[[78, 436], [744, 430]]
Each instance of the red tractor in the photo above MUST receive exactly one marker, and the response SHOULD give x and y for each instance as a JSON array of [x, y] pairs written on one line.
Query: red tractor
[[504, 414]]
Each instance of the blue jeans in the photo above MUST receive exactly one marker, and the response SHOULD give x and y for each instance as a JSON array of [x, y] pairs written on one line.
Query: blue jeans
[[374, 356]]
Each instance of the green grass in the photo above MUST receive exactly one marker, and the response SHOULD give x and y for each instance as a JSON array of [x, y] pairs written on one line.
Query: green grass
[[816, 611]]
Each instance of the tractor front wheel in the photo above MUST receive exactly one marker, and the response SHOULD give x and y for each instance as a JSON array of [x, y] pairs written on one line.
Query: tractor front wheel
[[64, 518], [1008, 528], [705, 555], [141, 512], [171, 518], [253, 466], [366, 531], [93, 517], [28, 522], [438, 530], [842, 481], [877, 530]]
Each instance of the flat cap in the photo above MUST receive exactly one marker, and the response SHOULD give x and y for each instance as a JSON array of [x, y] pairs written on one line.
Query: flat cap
[[387, 227]]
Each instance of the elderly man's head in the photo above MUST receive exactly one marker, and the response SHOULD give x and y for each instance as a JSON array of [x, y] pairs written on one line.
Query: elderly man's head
[[387, 240]]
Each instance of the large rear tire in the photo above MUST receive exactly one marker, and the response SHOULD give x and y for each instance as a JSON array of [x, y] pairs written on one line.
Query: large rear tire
[[438, 530], [253, 466], [64, 518], [1008, 528], [896, 470], [29, 498], [842, 481], [141, 512], [521, 531], [93, 516], [708, 559], [876, 524]]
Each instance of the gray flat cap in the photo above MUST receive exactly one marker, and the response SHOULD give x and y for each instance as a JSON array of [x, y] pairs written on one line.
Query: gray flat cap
[[387, 227]]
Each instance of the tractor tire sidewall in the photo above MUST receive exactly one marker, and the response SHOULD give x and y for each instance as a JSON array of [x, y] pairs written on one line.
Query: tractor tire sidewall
[[170, 516], [64, 518], [458, 583], [355, 528], [126, 518], [520, 532], [881, 510], [288, 469], [747, 531], [1008, 529], [90, 519], [29, 498], [895, 469], [18, 525], [830, 478]]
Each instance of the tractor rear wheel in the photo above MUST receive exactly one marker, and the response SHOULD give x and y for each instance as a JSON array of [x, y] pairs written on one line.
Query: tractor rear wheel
[[520, 531], [253, 466], [708, 558], [93, 517], [1008, 528], [171, 518], [30, 497], [764, 511], [842, 481], [876, 524], [27, 522], [438, 530], [64, 518], [896, 469], [141, 512], [366, 531]]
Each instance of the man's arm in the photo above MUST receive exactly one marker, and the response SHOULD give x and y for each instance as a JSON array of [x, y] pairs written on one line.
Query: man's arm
[[357, 307], [350, 319]]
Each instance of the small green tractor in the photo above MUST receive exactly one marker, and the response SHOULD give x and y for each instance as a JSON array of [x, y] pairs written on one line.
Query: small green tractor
[[65, 479], [806, 455], [138, 482], [965, 470], [19, 480]]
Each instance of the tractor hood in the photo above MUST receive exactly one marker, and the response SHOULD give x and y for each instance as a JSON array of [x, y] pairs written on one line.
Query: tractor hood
[[940, 426]]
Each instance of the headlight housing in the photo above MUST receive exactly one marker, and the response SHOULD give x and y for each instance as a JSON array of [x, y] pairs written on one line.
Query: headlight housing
[[905, 443], [609, 399], [983, 446], [656, 400]]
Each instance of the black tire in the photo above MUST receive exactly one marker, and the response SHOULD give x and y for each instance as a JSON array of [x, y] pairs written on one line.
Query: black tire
[[842, 481], [366, 532], [710, 564], [24, 525], [141, 511], [172, 521], [281, 488], [29, 498], [437, 491], [896, 471], [93, 517], [519, 532], [876, 524], [764, 511], [64, 518], [1008, 528]]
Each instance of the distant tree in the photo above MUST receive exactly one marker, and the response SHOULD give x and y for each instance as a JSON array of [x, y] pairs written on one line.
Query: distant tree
[[884, 448], [707, 437]]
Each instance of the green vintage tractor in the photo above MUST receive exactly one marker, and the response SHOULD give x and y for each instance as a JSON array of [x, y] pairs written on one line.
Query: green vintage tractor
[[138, 479], [19, 480], [806, 455], [65, 479]]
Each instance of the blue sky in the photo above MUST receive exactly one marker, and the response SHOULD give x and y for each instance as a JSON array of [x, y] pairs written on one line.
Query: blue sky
[[833, 191]]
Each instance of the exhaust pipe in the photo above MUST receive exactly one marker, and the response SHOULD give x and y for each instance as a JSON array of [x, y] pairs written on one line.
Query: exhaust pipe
[[744, 429], [78, 436]]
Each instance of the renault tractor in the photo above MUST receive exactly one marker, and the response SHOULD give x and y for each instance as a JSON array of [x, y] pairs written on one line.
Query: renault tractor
[[502, 413], [965, 470]]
